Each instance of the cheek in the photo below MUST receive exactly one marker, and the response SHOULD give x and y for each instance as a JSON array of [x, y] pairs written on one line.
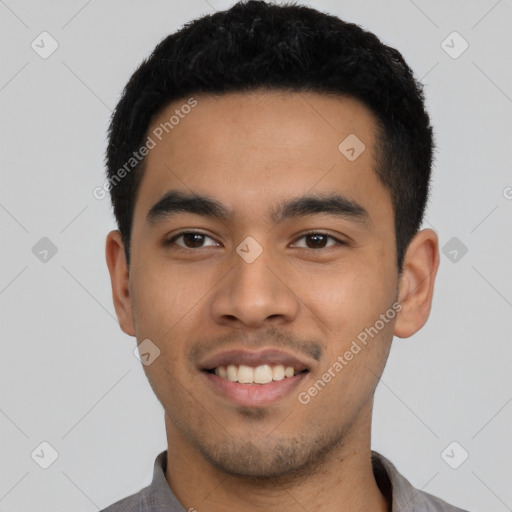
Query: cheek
[[165, 294], [349, 298]]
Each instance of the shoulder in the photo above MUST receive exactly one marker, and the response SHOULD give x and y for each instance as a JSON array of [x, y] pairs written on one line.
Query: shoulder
[[402, 494], [131, 503], [426, 502]]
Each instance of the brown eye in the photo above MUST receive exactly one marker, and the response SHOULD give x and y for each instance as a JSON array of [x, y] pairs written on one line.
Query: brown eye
[[191, 240], [318, 240]]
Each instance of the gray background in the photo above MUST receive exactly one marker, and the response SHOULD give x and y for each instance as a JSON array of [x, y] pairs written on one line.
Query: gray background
[[68, 373]]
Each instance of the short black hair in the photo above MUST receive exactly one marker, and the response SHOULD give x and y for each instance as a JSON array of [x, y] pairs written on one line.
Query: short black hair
[[255, 45]]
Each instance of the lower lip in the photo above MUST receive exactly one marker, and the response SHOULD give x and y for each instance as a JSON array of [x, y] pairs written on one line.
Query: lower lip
[[253, 395]]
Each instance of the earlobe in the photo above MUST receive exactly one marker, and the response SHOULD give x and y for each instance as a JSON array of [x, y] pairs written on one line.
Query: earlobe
[[416, 286], [119, 277]]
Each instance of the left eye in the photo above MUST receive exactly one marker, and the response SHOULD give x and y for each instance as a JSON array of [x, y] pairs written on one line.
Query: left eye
[[194, 240], [319, 239]]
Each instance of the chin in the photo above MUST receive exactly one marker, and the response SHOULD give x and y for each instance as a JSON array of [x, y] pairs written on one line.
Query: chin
[[281, 462]]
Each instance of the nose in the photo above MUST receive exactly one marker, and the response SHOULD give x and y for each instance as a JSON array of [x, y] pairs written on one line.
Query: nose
[[253, 294]]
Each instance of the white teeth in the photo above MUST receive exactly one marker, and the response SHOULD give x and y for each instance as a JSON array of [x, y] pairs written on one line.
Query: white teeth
[[245, 374], [232, 373], [278, 372], [263, 374], [260, 375]]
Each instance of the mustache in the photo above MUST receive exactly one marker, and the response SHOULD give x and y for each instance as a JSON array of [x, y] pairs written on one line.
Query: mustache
[[270, 337]]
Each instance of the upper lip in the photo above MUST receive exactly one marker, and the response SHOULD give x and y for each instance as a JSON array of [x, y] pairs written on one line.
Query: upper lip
[[259, 358]]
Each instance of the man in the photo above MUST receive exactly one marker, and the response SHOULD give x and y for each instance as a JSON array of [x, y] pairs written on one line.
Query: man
[[269, 168]]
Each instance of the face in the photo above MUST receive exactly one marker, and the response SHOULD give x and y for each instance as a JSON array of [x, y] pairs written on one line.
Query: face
[[258, 248]]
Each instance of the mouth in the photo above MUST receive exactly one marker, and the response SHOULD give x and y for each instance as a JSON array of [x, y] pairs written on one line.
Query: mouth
[[254, 379], [261, 375]]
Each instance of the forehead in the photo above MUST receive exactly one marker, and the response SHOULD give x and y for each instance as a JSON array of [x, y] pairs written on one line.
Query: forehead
[[250, 149]]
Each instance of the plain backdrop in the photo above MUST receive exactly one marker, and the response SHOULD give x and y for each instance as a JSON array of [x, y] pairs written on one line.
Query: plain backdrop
[[68, 374]]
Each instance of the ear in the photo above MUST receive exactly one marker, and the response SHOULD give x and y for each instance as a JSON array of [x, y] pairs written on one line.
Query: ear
[[119, 277], [416, 284]]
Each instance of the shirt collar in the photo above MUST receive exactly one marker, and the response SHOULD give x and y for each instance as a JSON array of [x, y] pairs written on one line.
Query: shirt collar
[[396, 488], [158, 497]]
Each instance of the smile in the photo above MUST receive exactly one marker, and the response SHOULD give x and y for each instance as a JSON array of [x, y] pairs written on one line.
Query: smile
[[262, 374]]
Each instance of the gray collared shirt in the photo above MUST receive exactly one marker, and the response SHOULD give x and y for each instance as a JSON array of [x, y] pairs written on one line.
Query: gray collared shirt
[[158, 496]]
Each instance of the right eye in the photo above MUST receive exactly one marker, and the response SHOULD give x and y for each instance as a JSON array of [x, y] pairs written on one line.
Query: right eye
[[192, 240]]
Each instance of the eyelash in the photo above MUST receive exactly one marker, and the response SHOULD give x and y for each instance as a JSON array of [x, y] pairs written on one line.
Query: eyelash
[[172, 240]]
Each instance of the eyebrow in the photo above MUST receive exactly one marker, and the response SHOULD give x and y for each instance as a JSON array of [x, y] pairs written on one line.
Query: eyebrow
[[175, 202]]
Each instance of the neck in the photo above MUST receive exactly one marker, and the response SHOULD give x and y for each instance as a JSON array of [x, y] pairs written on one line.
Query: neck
[[343, 480]]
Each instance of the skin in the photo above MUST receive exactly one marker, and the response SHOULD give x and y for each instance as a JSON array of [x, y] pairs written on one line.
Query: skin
[[250, 151]]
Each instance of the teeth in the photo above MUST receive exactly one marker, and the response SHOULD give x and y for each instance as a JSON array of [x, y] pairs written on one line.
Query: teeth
[[245, 374], [260, 375], [232, 373], [278, 372], [263, 374]]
